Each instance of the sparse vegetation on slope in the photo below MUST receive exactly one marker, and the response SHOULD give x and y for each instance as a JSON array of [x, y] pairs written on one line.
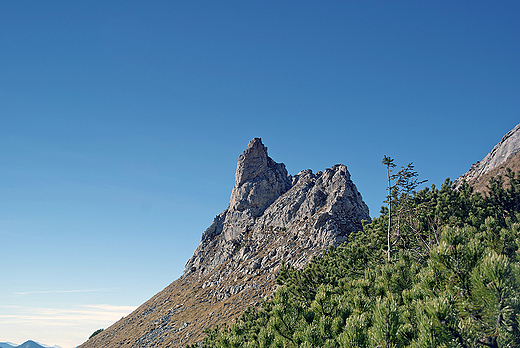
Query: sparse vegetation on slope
[[452, 280], [96, 332]]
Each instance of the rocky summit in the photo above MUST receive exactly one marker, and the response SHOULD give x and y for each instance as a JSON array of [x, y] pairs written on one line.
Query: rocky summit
[[271, 217], [505, 154]]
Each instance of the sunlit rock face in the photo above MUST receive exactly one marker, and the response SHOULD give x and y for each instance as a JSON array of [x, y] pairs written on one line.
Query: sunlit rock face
[[503, 152], [259, 181], [272, 217], [265, 196]]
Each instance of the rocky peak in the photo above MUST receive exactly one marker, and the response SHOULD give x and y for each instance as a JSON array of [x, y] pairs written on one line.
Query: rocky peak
[[506, 149], [272, 218], [252, 162], [259, 181], [265, 196]]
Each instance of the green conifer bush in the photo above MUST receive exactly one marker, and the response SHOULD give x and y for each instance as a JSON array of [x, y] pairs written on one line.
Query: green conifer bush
[[452, 279]]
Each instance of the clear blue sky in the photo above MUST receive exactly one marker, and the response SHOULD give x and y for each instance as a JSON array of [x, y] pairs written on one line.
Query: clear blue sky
[[121, 123]]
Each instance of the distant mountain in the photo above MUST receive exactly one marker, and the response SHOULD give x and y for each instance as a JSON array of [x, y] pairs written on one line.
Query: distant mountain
[[47, 346], [7, 345], [30, 344], [505, 154]]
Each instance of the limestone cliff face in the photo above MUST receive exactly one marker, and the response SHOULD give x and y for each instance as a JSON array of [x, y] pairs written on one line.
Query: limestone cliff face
[[503, 152], [259, 181], [266, 196], [271, 217]]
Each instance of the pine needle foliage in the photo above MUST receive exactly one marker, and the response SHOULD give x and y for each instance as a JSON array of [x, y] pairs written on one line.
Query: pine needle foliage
[[452, 280]]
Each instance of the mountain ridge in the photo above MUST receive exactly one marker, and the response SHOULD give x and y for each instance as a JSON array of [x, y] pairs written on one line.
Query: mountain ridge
[[26, 344], [7, 345], [502, 156], [272, 217]]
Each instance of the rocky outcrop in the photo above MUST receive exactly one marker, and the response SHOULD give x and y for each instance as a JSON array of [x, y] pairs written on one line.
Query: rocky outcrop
[[259, 181], [271, 217], [504, 151], [265, 196]]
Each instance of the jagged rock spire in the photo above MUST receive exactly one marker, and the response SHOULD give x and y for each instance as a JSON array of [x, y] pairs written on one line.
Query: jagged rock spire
[[259, 181], [265, 196], [252, 162]]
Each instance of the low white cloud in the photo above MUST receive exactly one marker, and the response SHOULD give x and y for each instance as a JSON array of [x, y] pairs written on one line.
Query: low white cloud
[[56, 292], [96, 313], [111, 308], [67, 327]]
